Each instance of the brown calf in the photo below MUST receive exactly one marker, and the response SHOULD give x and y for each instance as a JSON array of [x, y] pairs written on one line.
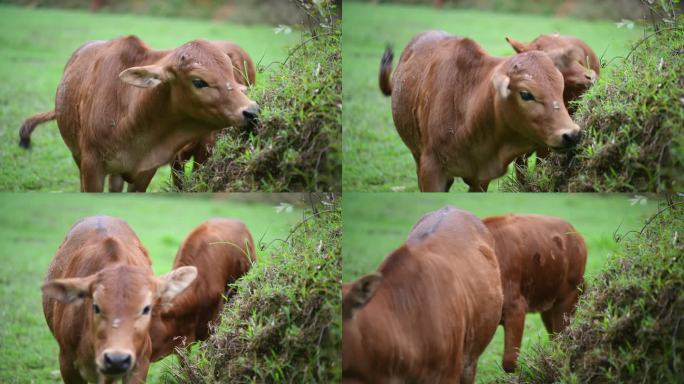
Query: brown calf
[[429, 311], [542, 263], [98, 296], [578, 64], [463, 113], [222, 250], [200, 150], [124, 109]]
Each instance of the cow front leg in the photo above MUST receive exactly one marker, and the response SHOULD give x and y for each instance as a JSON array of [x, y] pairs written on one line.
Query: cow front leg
[[70, 374], [178, 172], [475, 185], [92, 176], [514, 324], [431, 177], [557, 318], [142, 181], [116, 183]]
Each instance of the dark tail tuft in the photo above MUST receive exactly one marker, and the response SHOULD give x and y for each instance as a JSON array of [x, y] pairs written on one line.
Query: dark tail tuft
[[385, 71], [30, 124]]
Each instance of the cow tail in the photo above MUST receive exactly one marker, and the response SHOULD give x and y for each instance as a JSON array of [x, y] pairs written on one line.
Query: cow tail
[[30, 124], [385, 71]]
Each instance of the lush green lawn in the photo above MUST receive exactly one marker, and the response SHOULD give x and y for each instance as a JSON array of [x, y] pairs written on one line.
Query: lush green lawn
[[35, 44], [375, 157], [32, 226], [374, 224]]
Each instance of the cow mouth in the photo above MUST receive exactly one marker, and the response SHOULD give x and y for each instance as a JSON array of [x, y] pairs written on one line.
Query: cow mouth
[[113, 373]]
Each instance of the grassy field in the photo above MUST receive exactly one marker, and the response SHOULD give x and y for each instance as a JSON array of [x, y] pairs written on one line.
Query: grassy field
[[34, 46], [32, 226], [380, 160], [374, 225]]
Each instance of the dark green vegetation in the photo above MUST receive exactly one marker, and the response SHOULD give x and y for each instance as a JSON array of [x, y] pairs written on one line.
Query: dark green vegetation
[[283, 324], [376, 224], [633, 121], [296, 146], [628, 326], [375, 157], [32, 226], [36, 44]]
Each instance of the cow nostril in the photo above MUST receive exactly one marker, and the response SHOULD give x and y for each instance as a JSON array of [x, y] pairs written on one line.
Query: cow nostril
[[251, 113], [117, 362], [570, 139]]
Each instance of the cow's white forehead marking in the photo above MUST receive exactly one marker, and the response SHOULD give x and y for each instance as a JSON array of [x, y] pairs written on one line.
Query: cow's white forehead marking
[[556, 106], [230, 87], [116, 323]]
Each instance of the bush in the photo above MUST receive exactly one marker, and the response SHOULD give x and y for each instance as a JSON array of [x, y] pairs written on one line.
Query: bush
[[296, 146], [633, 122], [283, 324], [629, 325]]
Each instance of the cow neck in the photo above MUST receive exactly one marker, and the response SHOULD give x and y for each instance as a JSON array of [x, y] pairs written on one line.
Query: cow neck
[[496, 141]]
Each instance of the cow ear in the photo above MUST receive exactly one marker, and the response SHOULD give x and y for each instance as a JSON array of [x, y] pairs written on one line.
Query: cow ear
[[517, 46], [69, 290], [144, 77], [175, 282], [362, 291], [501, 82]]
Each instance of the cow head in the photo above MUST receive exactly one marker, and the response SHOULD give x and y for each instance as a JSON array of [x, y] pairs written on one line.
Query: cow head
[[202, 85], [575, 60], [529, 98], [119, 301]]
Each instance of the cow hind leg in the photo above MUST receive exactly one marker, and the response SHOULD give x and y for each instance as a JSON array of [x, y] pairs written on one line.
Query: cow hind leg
[[476, 185], [514, 324]]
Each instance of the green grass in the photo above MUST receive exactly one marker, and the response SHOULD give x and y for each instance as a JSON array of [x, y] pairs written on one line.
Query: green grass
[[283, 325], [35, 44], [628, 326], [375, 157], [377, 223], [32, 226]]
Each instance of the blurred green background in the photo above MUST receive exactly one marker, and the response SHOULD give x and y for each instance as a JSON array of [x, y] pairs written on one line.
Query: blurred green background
[[33, 225], [375, 224], [589, 9]]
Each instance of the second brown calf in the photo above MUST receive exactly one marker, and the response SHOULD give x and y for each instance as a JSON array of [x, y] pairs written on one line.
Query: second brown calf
[[542, 262], [222, 250]]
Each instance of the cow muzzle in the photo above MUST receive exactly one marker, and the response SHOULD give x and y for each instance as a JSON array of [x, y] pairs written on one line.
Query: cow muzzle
[[115, 363], [570, 139], [251, 115]]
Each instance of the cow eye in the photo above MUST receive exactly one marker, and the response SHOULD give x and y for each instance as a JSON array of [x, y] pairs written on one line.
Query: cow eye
[[526, 95], [96, 309], [199, 83], [146, 310]]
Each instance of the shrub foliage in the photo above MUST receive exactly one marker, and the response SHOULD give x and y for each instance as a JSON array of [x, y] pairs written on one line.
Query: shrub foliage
[[283, 323]]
